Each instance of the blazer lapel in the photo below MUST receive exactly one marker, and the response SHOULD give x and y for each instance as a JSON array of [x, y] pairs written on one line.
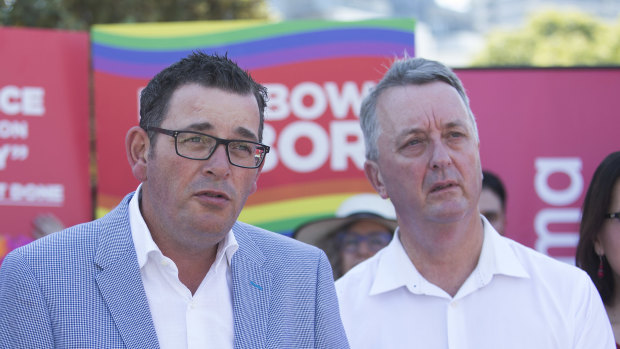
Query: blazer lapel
[[251, 293], [120, 282]]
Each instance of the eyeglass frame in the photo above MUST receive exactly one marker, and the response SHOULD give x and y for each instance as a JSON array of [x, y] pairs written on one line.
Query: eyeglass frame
[[175, 133]]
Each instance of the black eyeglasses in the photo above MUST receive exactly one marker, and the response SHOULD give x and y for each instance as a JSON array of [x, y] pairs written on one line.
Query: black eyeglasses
[[199, 146], [615, 215]]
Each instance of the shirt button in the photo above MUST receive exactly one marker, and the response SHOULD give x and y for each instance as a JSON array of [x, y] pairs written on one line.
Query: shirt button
[[164, 262], [454, 304]]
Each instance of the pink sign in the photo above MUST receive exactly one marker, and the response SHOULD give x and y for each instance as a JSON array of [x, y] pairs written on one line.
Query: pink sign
[[544, 132], [44, 131]]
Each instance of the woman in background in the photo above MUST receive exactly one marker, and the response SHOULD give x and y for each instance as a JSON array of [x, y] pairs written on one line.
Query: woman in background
[[598, 250]]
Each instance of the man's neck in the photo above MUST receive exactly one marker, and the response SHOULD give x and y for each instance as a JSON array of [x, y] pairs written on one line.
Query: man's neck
[[445, 254], [193, 267]]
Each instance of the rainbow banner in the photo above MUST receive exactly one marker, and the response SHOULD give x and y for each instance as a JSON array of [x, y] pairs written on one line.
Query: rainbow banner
[[317, 73]]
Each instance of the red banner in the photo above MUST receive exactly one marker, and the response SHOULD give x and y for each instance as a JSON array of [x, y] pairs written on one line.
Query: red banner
[[544, 132], [44, 131]]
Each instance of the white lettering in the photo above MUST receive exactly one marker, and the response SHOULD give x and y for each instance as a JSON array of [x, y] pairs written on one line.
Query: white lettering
[[3, 188], [278, 108], [9, 96], [18, 152], [30, 192], [546, 238], [319, 102], [545, 167], [342, 149], [350, 97], [309, 101], [269, 138], [32, 101], [29, 101], [344, 139], [300, 163], [13, 129], [4, 154]]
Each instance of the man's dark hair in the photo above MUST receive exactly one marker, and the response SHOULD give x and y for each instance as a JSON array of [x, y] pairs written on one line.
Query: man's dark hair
[[208, 70]]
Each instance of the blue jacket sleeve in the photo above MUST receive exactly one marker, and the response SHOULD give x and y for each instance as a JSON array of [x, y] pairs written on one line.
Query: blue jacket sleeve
[[24, 317]]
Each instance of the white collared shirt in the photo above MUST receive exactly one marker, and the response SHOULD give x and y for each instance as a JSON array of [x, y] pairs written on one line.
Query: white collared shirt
[[514, 298], [204, 320]]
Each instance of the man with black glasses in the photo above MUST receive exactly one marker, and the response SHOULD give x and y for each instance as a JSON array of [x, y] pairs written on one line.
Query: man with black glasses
[[171, 266]]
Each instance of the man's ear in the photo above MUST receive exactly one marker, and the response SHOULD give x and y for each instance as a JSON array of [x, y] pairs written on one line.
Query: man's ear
[[373, 174], [137, 146]]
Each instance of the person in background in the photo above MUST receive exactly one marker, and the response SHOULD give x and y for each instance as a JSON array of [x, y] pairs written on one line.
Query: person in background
[[492, 203], [170, 266], [598, 249], [363, 224], [448, 279]]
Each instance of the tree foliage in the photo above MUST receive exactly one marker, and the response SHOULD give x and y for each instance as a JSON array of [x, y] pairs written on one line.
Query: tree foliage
[[81, 14], [554, 38]]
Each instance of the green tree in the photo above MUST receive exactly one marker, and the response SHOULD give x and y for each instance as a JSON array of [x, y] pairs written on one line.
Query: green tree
[[554, 38], [81, 14]]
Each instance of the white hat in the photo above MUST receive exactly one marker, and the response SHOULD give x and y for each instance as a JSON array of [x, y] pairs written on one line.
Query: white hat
[[366, 206]]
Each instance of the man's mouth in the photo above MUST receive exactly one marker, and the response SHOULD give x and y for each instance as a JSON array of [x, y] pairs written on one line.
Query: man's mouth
[[442, 186], [214, 194]]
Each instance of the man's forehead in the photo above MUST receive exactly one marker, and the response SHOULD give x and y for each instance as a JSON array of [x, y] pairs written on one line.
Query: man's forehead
[[441, 106]]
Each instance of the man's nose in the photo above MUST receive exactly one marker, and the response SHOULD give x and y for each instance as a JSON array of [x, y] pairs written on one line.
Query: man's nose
[[218, 163], [440, 156]]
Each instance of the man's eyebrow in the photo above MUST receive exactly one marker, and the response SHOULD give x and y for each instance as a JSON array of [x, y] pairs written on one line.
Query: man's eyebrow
[[243, 132], [203, 126], [454, 124], [409, 131], [246, 133]]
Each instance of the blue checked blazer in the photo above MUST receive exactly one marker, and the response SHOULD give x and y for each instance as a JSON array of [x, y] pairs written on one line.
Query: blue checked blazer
[[81, 288]]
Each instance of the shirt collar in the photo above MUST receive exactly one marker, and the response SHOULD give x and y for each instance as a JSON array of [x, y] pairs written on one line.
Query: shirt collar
[[145, 245], [497, 256], [395, 269]]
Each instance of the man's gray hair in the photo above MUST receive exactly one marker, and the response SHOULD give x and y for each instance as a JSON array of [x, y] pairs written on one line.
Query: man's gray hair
[[404, 72]]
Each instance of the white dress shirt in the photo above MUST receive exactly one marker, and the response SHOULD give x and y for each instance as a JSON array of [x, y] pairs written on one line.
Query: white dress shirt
[[204, 320], [514, 298]]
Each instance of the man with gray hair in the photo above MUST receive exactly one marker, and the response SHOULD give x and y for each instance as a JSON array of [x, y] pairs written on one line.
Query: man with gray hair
[[448, 279]]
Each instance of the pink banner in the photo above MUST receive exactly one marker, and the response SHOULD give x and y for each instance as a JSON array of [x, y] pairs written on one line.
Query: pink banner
[[44, 131], [544, 132]]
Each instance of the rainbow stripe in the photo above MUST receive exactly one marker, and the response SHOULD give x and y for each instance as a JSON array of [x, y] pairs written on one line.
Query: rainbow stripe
[[285, 207], [142, 50]]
